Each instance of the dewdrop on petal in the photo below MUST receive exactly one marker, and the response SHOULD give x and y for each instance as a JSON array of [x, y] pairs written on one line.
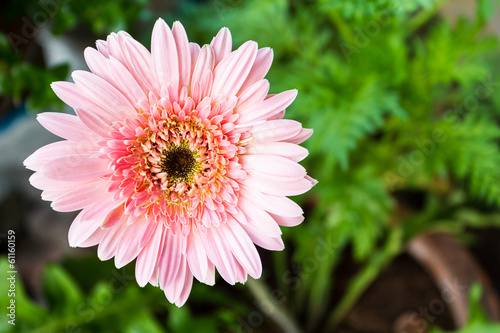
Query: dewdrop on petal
[[178, 158]]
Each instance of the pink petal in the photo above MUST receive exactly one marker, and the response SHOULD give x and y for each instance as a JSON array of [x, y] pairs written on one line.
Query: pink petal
[[170, 260], [164, 55], [56, 150], [138, 61], [259, 218], [126, 83], [204, 62], [274, 130], [267, 108], [196, 256], [148, 228], [94, 239], [184, 53], [273, 167], [264, 241], [81, 197], [173, 290], [219, 254], [97, 63], [101, 208], [102, 47], [109, 244], [222, 44], [75, 168], [302, 136], [128, 249], [288, 221], [242, 248], [292, 151], [39, 181], [278, 205], [232, 71], [278, 186], [255, 94], [96, 123], [103, 94], [194, 49], [186, 289], [113, 218], [71, 94], [148, 257], [80, 230], [210, 278], [66, 126], [261, 66]]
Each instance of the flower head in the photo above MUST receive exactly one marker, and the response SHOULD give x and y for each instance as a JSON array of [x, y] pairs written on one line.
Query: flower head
[[178, 158]]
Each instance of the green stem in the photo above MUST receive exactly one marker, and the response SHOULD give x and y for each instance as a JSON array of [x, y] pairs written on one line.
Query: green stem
[[271, 308], [363, 279], [343, 28]]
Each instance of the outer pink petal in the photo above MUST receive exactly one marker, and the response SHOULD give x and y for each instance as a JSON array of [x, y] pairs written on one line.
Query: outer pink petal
[[273, 167], [242, 248], [182, 277], [70, 94], [66, 126], [196, 256], [170, 260], [262, 64], [148, 257], [279, 186], [279, 205], [204, 62], [274, 130], [292, 151], [263, 240], [109, 244], [259, 218], [75, 168], [186, 289], [39, 181], [138, 61], [126, 83], [194, 49], [128, 249], [56, 150], [102, 47], [96, 122], [232, 71], [219, 253], [97, 63], [164, 55], [81, 197], [288, 221], [222, 44], [267, 108], [103, 94], [302, 136], [94, 239], [255, 94], [80, 230], [184, 54]]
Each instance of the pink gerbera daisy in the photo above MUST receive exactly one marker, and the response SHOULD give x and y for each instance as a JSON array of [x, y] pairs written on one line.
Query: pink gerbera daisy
[[178, 158]]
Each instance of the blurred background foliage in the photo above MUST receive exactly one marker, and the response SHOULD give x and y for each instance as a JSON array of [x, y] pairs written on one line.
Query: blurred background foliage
[[405, 105]]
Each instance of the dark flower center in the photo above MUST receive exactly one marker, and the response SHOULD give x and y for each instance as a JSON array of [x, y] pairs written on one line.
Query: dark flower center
[[179, 163]]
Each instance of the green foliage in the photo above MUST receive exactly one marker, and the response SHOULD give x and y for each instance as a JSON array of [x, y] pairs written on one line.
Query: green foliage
[[478, 321], [19, 79], [405, 107]]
